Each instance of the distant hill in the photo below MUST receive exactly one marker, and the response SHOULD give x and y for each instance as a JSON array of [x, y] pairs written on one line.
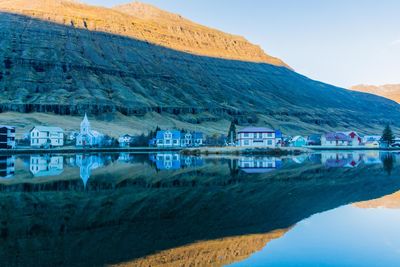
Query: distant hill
[[391, 91], [66, 58]]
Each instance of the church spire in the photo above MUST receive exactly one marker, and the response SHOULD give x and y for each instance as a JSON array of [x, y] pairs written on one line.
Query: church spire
[[85, 125]]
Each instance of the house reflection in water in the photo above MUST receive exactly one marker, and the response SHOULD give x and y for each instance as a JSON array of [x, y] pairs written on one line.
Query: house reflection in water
[[259, 164], [372, 157], [341, 160], [86, 164], [175, 161], [7, 166], [46, 165]]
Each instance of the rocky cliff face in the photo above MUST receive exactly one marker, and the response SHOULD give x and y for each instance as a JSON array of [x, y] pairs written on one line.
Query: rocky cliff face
[[66, 58], [390, 91], [143, 22]]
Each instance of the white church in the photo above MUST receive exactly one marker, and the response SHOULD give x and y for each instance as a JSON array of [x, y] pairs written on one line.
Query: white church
[[87, 136]]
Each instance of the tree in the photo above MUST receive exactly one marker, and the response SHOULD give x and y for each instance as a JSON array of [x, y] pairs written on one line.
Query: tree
[[387, 136], [388, 161], [232, 133]]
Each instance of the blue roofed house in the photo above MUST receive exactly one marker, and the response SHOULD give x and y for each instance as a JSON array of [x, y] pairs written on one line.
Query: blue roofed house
[[167, 161], [192, 139], [168, 138]]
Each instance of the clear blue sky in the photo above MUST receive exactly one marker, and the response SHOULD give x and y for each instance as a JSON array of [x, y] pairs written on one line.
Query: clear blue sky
[[342, 42]]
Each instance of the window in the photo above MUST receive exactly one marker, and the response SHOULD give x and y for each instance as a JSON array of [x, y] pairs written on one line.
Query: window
[[269, 142], [246, 135], [246, 142], [269, 134]]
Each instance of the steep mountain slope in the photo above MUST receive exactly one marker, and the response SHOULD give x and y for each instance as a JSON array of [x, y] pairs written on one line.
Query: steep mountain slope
[[149, 24], [63, 57], [391, 91]]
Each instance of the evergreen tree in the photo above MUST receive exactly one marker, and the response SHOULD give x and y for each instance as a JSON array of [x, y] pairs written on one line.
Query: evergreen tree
[[232, 133], [387, 136]]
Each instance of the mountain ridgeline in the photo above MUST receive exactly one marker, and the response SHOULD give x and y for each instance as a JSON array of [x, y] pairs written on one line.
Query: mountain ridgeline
[[67, 58], [390, 91]]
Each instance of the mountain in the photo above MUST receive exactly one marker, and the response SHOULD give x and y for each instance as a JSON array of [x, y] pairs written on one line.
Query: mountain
[[391, 201], [136, 61], [390, 91]]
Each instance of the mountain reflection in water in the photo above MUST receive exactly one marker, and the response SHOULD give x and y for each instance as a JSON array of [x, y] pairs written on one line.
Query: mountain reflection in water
[[170, 209]]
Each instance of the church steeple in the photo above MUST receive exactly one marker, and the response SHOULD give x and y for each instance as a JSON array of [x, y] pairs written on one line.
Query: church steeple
[[85, 125]]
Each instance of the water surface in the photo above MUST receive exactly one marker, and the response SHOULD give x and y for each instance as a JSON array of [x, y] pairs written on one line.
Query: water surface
[[330, 209]]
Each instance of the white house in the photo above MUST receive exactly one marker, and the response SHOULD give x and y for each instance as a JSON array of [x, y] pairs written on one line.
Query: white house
[[256, 137], [44, 136], [87, 136], [372, 141], [125, 140], [258, 164], [46, 165], [355, 138], [335, 139]]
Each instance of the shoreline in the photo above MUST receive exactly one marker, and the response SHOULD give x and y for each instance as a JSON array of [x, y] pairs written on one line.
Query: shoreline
[[281, 151], [347, 148], [20, 151]]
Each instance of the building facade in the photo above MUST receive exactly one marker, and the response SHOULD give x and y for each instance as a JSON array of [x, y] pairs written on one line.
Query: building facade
[[125, 140], [44, 136], [256, 137], [7, 137], [335, 139], [192, 139], [41, 166], [87, 136], [7, 167], [258, 164], [168, 138]]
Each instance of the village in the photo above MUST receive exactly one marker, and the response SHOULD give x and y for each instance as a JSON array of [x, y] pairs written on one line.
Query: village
[[52, 137]]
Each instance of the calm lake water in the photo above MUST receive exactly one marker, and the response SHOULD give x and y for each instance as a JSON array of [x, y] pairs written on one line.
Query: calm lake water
[[325, 209]]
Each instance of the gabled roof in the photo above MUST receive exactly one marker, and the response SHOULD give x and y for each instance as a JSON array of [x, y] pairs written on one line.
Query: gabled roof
[[297, 137], [337, 137], [127, 135], [350, 132], [8, 127], [175, 134], [47, 129], [256, 130]]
